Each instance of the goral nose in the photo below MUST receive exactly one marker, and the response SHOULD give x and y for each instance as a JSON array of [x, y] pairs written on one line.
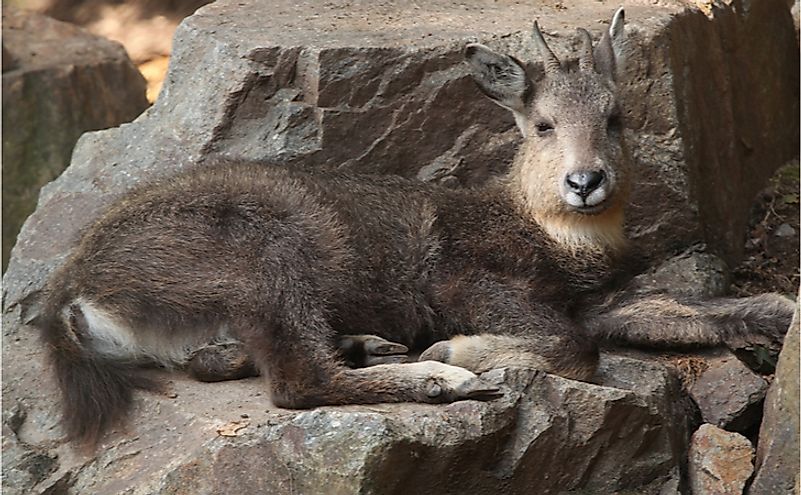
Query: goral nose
[[585, 182]]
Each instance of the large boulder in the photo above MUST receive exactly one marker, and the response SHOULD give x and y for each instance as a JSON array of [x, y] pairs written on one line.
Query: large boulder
[[778, 447], [728, 393], [723, 82], [58, 82], [381, 88]]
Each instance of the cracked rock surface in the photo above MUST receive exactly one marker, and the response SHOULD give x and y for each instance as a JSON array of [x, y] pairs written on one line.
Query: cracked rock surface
[[720, 461], [778, 448], [728, 393]]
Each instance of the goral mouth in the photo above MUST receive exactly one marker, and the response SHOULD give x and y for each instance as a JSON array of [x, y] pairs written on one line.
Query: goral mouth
[[591, 210]]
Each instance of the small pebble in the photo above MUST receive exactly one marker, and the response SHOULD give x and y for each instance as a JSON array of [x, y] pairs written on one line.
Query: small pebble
[[784, 230], [244, 416]]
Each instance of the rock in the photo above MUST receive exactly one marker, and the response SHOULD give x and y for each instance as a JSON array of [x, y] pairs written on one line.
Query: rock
[[720, 462], [28, 466], [784, 230], [9, 62], [58, 82], [726, 165], [729, 394], [778, 447], [693, 274], [546, 435], [144, 28]]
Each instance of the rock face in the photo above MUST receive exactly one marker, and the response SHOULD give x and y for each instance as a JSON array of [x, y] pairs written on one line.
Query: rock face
[[720, 462], [727, 153], [691, 274], [380, 87], [729, 394], [778, 452], [58, 82]]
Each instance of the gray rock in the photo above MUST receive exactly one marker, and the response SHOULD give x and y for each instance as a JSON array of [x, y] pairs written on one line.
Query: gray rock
[[58, 82], [778, 447], [143, 27], [693, 274], [784, 230], [728, 393], [720, 462], [27, 466]]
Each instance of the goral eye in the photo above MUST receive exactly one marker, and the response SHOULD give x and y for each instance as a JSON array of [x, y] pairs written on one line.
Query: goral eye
[[544, 127]]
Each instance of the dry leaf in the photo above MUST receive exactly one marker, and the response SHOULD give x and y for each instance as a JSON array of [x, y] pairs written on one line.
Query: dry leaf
[[232, 429]]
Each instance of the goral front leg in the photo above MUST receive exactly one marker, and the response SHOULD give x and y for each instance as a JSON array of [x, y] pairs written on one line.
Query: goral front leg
[[360, 351], [429, 382], [754, 327], [562, 355], [757, 320]]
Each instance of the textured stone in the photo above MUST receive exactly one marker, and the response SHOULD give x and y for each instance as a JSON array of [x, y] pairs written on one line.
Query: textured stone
[[720, 462], [692, 274], [778, 448], [58, 82], [728, 152], [729, 394], [784, 230]]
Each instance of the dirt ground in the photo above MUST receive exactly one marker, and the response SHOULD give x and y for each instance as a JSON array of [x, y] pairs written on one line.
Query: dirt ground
[[771, 260]]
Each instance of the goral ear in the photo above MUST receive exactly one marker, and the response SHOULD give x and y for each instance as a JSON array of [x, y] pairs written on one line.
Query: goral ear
[[502, 78], [609, 54]]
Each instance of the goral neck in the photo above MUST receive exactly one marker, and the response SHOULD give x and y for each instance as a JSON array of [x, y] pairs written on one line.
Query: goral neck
[[574, 232]]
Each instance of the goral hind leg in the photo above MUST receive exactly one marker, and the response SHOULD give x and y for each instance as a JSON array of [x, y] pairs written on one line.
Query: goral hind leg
[[663, 321], [229, 360], [562, 355], [219, 361], [515, 331], [296, 351]]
